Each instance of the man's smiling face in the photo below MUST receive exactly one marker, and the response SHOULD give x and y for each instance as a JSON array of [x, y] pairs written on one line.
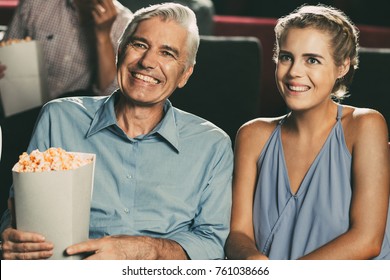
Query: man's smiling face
[[154, 63]]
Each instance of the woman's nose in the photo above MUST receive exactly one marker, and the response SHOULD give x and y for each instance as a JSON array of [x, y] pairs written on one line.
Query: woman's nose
[[296, 69]]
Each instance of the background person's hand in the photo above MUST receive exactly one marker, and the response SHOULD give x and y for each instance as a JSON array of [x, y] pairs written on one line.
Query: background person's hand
[[104, 15]]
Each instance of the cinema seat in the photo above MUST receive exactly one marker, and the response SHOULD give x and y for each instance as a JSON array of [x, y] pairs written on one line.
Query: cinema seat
[[225, 85], [370, 86]]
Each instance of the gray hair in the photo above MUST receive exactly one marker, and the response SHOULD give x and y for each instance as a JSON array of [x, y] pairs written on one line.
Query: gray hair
[[183, 15]]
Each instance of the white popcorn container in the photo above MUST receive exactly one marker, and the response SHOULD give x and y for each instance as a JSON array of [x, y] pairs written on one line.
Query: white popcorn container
[[55, 204], [24, 85]]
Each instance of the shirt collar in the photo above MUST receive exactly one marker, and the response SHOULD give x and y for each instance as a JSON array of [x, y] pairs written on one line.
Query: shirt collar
[[167, 128], [105, 115]]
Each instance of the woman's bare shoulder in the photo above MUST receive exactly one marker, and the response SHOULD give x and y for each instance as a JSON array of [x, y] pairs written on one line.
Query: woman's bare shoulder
[[259, 126], [363, 118], [256, 132], [363, 123]]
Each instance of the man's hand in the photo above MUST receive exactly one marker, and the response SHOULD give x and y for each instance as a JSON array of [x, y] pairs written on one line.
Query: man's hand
[[128, 248], [20, 245]]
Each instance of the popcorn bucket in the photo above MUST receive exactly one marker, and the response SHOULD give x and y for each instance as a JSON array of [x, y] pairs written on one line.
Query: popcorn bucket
[[55, 204], [24, 85]]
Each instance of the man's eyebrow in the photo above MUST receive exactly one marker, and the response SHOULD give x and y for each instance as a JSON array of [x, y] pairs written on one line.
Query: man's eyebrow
[[172, 49], [135, 38], [164, 47]]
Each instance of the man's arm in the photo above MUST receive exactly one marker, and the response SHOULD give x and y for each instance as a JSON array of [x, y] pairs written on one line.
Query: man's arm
[[123, 247], [204, 240], [206, 237]]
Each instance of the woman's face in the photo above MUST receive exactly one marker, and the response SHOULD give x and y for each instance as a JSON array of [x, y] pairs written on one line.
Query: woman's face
[[305, 69]]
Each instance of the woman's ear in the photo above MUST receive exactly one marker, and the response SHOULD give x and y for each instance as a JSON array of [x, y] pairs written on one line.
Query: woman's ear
[[344, 68]]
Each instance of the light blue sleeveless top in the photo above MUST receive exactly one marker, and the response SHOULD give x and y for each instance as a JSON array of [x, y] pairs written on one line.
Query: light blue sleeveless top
[[289, 226]]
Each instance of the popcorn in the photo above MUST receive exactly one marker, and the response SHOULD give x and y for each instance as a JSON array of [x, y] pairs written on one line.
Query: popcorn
[[46, 202], [14, 41], [53, 159]]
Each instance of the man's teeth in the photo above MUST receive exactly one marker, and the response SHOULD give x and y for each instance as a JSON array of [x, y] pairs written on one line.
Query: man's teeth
[[146, 78], [298, 88]]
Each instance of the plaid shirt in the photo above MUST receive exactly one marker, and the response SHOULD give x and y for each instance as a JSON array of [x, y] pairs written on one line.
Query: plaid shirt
[[69, 54]]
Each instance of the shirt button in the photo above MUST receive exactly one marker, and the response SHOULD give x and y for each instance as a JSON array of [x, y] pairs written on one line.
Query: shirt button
[[126, 210], [129, 176]]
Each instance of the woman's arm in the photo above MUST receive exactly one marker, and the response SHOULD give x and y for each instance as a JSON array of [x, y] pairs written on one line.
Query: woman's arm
[[241, 241], [370, 193]]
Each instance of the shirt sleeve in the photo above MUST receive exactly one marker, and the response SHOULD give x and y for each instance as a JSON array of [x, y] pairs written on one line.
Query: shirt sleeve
[[40, 138], [5, 220], [206, 238]]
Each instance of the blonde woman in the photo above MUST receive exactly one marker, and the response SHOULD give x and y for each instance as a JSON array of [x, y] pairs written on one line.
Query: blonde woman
[[313, 184]]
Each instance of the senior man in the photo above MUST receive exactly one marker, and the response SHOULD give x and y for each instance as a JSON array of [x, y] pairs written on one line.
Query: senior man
[[163, 176]]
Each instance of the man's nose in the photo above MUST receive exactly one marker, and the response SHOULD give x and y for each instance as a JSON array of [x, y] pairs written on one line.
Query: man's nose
[[149, 59]]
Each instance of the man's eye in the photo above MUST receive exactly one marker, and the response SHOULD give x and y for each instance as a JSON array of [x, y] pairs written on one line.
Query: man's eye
[[166, 53], [138, 45]]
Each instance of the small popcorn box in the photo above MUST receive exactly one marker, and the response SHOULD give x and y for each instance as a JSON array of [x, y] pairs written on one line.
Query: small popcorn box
[[56, 204], [24, 85]]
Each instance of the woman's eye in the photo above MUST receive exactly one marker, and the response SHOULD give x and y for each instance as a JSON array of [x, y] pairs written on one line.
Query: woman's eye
[[284, 57], [312, 60]]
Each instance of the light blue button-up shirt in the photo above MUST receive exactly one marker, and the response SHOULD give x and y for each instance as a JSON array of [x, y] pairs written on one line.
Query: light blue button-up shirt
[[174, 182]]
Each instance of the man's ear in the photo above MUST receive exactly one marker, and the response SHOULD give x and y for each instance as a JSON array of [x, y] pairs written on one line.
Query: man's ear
[[344, 68], [186, 75]]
